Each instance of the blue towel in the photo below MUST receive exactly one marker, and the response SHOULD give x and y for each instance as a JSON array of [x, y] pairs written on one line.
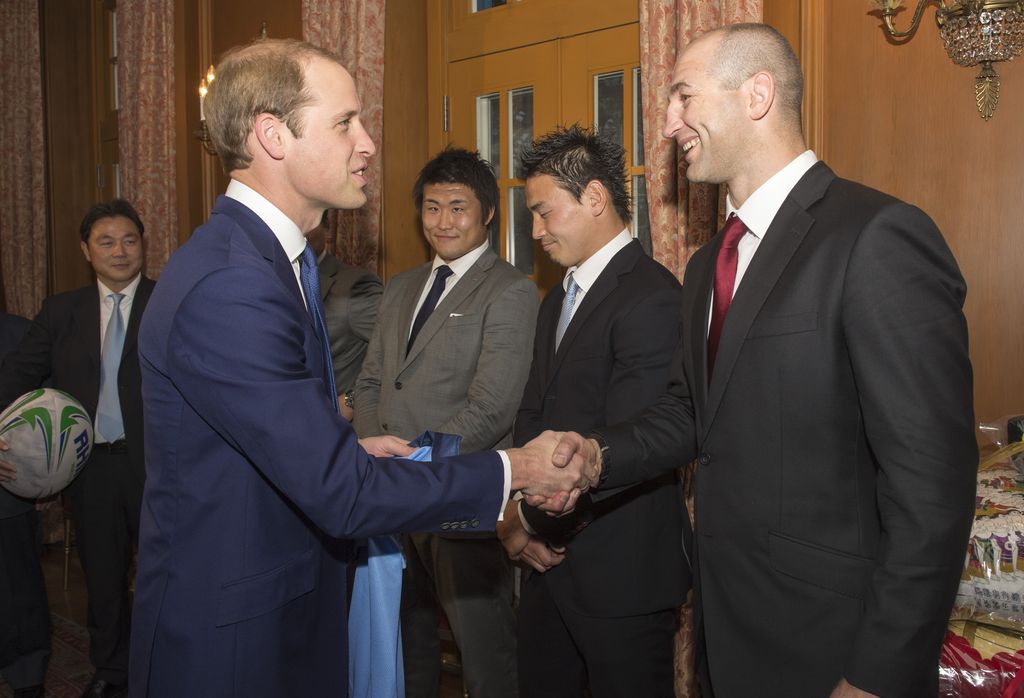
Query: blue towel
[[374, 630]]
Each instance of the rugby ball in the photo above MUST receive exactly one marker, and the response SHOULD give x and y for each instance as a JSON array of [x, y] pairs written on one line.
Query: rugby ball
[[49, 435]]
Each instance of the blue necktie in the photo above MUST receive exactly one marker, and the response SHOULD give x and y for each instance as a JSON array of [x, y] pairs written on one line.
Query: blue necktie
[[309, 273], [429, 303], [108, 411], [566, 315]]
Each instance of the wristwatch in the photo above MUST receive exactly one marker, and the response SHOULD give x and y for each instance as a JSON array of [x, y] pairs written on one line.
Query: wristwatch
[[349, 402]]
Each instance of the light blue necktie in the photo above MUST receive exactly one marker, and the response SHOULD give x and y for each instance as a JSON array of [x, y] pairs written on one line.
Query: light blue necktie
[[566, 315], [309, 274], [108, 412]]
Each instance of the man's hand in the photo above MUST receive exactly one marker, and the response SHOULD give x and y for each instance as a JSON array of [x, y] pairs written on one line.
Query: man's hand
[[573, 446], [844, 690], [8, 471], [385, 446], [521, 546], [551, 488]]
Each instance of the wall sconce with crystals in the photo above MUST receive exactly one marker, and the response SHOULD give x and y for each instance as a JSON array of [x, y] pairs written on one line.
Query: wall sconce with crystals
[[203, 134], [973, 31]]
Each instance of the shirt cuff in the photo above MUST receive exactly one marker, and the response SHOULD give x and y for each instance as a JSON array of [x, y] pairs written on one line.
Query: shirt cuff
[[506, 464]]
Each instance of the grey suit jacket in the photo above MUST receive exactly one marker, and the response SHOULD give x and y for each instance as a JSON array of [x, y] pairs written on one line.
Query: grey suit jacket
[[465, 372], [350, 296]]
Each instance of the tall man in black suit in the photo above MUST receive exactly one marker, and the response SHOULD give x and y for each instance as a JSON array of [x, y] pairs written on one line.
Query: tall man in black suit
[[830, 411], [66, 345], [600, 611], [24, 612]]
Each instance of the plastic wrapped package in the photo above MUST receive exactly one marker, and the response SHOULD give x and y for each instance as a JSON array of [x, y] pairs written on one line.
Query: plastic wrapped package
[[988, 665]]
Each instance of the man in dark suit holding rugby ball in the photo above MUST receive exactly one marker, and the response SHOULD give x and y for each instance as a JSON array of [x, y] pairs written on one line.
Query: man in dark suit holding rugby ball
[[83, 342]]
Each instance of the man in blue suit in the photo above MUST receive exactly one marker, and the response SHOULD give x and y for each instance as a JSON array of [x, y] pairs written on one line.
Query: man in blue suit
[[255, 482]]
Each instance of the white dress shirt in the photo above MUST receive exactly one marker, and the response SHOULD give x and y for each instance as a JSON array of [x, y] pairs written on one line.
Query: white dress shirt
[[758, 211]]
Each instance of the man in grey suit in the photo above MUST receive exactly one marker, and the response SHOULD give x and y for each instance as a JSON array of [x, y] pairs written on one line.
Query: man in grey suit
[[350, 296], [451, 353]]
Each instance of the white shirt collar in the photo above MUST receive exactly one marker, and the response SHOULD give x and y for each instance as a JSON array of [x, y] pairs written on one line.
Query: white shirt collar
[[283, 227], [128, 291], [464, 263], [759, 210], [586, 274]]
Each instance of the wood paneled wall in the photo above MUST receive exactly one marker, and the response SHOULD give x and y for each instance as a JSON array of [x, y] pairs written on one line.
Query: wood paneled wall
[[71, 138], [902, 118]]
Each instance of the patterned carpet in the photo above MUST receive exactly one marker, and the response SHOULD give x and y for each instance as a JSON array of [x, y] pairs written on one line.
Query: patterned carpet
[[69, 669]]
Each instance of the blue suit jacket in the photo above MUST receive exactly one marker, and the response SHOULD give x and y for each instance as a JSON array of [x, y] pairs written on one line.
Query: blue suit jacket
[[254, 481]]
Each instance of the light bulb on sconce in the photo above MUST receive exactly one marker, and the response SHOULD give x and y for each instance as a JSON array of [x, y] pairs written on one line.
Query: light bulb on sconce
[[203, 134]]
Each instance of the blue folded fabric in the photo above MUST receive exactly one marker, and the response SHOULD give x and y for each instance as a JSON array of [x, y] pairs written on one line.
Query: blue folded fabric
[[374, 630]]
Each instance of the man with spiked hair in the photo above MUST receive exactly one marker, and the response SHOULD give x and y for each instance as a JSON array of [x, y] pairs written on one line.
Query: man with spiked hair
[[598, 612]]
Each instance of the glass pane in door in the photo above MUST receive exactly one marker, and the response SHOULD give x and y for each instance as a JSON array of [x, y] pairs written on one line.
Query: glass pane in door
[[481, 5], [520, 127], [488, 130], [608, 107], [520, 252]]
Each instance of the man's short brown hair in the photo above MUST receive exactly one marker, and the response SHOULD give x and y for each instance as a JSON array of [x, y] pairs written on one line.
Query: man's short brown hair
[[264, 77]]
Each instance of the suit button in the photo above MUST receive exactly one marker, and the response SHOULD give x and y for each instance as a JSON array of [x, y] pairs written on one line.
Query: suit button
[[445, 526], [384, 426], [475, 523], [463, 524], [398, 385], [704, 459]]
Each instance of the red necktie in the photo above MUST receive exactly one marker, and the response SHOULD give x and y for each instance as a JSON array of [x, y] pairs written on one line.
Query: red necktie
[[725, 280]]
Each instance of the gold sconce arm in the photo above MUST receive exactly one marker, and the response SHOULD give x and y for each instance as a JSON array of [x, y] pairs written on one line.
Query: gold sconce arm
[[889, 8]]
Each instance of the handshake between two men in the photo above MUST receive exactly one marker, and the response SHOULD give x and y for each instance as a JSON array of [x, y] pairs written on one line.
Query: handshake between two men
[[554, 469]]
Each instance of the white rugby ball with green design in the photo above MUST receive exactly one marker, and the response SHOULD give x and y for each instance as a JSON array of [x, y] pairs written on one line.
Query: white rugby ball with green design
[[50, 437]]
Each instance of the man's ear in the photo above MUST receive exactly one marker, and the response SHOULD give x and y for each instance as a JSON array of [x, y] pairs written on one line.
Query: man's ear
[[489, 217], [595, 197], [761, 94], [85, 251], [269, 132]]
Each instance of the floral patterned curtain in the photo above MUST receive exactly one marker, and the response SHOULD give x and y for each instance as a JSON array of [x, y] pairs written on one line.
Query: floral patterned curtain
[[355, 31], [23, 211], [146, 121], [683, 216]]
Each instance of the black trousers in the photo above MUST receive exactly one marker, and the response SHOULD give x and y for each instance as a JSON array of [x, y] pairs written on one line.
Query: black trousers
[[24, 612], [562, 651], [106, 499]]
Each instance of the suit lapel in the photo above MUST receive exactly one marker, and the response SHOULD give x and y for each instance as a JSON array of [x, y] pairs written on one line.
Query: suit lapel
[[266, 243], [622, 263], [702, 273], [781, 241], [87, 325], [328, 276], [462, 290], [131, 336], [408, 305]]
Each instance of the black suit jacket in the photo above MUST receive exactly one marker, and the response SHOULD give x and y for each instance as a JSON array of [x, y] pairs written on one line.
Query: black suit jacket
[[835, 482], [12, 329], [350, 296], [63, 346], [625, 554]]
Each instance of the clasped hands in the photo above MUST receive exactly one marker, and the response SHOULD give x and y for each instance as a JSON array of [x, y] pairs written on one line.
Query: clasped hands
[[554, 469]]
